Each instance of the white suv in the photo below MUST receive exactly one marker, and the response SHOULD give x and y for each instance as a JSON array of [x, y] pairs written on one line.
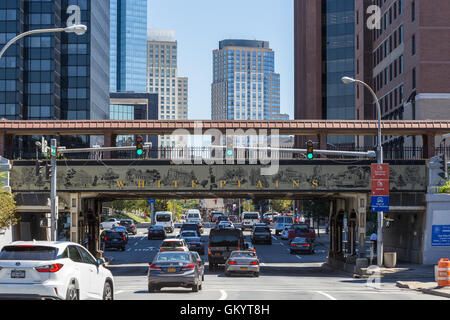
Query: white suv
[[52, 270]]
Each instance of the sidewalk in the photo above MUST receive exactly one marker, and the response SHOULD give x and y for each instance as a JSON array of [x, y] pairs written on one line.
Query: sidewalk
[[425, 287]]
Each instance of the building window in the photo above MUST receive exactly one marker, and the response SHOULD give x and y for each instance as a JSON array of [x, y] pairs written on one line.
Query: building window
[[413, 11], [414, 78], [413, 45]]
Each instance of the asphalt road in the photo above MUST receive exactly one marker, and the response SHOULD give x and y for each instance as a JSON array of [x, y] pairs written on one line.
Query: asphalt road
[[283, 277]]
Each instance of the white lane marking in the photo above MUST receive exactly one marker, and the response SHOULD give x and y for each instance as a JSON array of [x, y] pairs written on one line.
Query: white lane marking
[[299, 257], [281, 243], [223, 295], [129, 249], [274, 238], [326, 295]]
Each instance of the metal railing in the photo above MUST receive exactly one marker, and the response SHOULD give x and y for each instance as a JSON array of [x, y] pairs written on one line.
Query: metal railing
[[211, 153]]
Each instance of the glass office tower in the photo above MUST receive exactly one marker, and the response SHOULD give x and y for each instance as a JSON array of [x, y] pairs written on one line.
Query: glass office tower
[[53, 75], [128, 34], [338, 51], [245, 85]]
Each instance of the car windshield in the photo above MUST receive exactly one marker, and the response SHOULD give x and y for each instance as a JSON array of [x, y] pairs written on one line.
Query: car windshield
[[28, 253], [300, 228], [284, 220], [172, 244], [173, 256], [189, 234], [188, 226], [163, 217], [251, 216], [224, 240], [113, 235], [193, 216], [300, 240], [262, 229], [125, 222], [243, 255]]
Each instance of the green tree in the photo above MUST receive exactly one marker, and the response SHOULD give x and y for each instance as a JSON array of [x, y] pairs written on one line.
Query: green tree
[[7, 210], [280, 205]]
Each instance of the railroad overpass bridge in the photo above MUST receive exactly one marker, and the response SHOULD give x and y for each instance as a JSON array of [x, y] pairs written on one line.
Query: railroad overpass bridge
[[86, 184], [428, 130]]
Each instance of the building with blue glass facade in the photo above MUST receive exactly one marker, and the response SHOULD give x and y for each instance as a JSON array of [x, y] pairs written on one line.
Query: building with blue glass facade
[[245, 85], [324, 53], [128, 51], [54, 75]]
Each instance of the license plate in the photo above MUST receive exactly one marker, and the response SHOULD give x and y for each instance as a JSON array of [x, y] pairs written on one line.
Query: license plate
[[217, 254], [171, 269], [18, 274], [243, 268]]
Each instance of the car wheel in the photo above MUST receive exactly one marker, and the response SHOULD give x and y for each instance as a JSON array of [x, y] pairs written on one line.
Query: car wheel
[[123, 248], [151, 288], [72, 293], [200, 287], [292, 252], [108, 292], [211, 267], [195, 288], [227, 274], [203, 277], [256, 274]]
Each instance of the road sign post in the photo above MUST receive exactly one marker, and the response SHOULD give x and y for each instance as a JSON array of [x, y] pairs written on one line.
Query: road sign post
[[380, 200]]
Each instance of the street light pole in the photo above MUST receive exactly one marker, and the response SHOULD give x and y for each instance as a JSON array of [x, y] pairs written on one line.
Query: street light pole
[[77, 29], [348, 80]]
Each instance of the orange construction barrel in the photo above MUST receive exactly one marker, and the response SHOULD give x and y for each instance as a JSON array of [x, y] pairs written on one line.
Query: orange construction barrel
[[443, 273]]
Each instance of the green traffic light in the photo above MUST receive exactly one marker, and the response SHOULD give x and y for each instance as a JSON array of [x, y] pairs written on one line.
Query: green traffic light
[[140, 152], [230, 152], [310, 156]]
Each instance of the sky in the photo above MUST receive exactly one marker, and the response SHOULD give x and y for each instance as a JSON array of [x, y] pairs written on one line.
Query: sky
[[199, 25]]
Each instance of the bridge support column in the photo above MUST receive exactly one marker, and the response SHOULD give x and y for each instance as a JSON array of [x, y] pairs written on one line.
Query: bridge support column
[[428, 142], [75, 208], [362, 202]]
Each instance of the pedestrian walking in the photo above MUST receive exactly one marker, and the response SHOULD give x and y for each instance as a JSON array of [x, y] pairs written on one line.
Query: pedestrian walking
[[373, 239]]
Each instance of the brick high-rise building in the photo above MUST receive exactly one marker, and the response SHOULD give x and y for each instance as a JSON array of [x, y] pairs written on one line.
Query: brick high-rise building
[[409, 65]]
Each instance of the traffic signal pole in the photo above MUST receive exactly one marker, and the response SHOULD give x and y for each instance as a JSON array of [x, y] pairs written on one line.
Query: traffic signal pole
[[53, 197]]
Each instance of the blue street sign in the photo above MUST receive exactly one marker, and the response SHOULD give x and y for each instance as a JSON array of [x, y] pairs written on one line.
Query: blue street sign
[[380, 203], [151, 200], [440, 236]]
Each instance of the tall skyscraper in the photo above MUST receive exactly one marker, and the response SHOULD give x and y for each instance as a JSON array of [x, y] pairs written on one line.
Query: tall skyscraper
[[406, 61], [245, 85], [162, 78], [324, 53], [53, 75], [128, 33]]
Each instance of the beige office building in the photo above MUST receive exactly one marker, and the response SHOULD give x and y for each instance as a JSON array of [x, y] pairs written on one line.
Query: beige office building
[[162, 78]]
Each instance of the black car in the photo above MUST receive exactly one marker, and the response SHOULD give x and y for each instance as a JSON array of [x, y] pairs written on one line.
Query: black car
[[192, 226], [194, 242], [113, 239], [129, 224], [221, 243], [262, 234], [300, 244], [156, 232]]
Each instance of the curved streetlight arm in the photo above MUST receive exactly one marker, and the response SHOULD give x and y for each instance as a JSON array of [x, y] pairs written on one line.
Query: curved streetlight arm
[[78, 29], [27, 33], [379, 146]]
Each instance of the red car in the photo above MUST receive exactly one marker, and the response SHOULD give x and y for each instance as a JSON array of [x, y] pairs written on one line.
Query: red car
[[301, 230]]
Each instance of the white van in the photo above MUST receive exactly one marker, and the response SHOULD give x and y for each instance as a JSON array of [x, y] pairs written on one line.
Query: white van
[[283, 222], [249, 219], [193, 216], [164, 219]]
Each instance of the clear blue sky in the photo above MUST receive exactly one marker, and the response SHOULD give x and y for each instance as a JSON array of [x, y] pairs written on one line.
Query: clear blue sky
[[199, 25]]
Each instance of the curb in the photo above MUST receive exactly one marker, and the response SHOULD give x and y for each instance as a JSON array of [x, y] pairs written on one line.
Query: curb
[[435, 292]]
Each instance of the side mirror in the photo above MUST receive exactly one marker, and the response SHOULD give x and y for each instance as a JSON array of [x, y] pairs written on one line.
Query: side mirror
[[101, 261]]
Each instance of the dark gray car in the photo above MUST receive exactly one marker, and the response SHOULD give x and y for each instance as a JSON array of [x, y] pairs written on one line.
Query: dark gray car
[[175, 269]]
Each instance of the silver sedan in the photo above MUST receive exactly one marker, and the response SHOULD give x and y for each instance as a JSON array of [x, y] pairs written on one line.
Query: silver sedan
[[175, 269], [244, 262]]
